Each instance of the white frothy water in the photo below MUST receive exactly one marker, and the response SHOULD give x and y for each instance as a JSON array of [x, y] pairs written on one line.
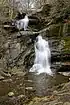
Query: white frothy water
[[42, 57], [23, 23]]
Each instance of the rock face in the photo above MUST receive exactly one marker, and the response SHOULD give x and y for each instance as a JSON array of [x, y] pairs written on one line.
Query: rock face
[[17, 49], [17, 57], [10, 94]]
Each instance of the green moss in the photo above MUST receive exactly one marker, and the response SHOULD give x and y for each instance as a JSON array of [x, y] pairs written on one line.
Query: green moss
[[60, 30], [67, 45], [56, 30], [66, 29]]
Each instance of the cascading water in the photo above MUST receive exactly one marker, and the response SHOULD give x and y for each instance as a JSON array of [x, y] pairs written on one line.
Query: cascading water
[[42, 57], [22, 23]]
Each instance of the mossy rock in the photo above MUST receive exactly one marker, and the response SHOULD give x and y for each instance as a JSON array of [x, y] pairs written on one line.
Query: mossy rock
[[66, 48], [56, 30], [10, 94], [66, 29]]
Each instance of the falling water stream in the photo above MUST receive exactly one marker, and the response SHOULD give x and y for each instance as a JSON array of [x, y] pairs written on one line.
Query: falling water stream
[[42, 57], [41, 66]]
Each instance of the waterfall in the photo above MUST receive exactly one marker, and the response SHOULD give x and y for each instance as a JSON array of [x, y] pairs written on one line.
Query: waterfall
[[42, 57], [22, 23]]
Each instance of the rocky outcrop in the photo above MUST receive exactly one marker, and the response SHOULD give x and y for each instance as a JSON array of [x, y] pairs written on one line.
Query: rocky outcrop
[[17, 85], [19, 48]]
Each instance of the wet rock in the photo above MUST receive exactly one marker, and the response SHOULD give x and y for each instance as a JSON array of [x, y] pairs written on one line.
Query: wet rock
[[21, 74], [7, 80], [17, 71], [1, 77], [66, 87], [55, 92], [21, 96], [30, 81], [69, 79], [65, 73], [29, 88], [6, 45], [56, 103], [66, 103], [6, 74], [11, 94]]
